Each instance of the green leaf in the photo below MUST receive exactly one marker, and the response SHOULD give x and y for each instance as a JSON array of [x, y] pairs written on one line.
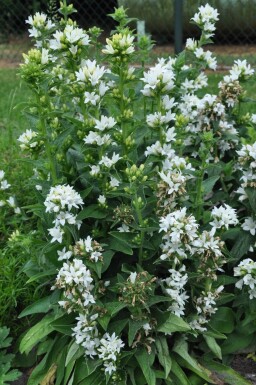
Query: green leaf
[[164, 354], [171, 323], [114, 307], [223, 320], [209, 183], [48, 273], [64, 324], [242, 244], [104, 321], [187, 361], [75, 351], [5, 341], [41, 306], [214, 333], [117, 326], [228, 375], [144, 359], [213, 346], [84, 368], [180, 377], [251, 193], [120, 245], [36, 333], [236, 342], [107, 258], [92, 211], [134, 326]]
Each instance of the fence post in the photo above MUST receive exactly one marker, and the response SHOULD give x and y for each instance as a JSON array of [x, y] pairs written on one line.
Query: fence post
[[178, 25]]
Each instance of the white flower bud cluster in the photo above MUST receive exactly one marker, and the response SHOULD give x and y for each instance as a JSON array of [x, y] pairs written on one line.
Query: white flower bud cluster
[[206, 307], [247, 270], [60, 201], [247, 160], [88, 248], [108, 351], [76, 280], [174, 286]]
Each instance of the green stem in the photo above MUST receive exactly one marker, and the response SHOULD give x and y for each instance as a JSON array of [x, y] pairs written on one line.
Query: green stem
[[199, 193], [47, 144], [141, 224]]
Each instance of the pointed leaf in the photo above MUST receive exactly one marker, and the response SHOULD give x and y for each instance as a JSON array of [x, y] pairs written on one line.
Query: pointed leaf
[[213, 346], [227, 374], [171, 323], [37, 333], [143, 359], [164, 354]]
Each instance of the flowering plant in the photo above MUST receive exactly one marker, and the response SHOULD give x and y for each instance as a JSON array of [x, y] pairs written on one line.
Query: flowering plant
[[145, 203]]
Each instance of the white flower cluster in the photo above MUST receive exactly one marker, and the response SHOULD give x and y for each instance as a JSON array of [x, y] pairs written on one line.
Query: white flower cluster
[[159, 80], [98, 137], [11, 202], [109, 349], [223, 216], [70, 39], [205, 114], [180, 231], [40, 23], [206, 307], [60, 201], [90, 77], [241, 70], [247, 270], [27, 140], [175, 288], [247, 160], [206, 19], [88, 248], [76, 280], [106, 348], [86, 334]]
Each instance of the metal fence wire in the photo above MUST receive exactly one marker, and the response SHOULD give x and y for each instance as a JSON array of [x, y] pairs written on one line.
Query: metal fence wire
[[237, 24]]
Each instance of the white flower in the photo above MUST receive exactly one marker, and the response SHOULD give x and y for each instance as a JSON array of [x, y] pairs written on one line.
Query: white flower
[[91, 97], [102, 199], [114, 182], [132, 277], [104, 123], [95, 170], [26, 140], [223, 216], [4, 185], [109, 162], [63, 254], [249, 225], [123, 229], [56, 233]]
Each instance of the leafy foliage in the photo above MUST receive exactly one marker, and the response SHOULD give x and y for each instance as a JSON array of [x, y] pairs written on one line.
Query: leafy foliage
[[144, 198]]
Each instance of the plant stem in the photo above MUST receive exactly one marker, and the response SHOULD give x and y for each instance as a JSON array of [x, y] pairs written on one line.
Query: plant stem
[[141, 224], [47, 144]]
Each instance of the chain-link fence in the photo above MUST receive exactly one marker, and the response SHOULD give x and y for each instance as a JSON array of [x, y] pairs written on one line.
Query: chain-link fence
[[237, 24]]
